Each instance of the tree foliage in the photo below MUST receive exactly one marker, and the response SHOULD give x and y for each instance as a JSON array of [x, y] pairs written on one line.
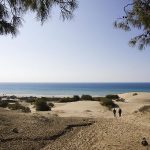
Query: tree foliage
[[12, 12], [137, 15]]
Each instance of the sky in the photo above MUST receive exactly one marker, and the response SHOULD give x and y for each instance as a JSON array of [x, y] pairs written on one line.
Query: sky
[[85, 49]]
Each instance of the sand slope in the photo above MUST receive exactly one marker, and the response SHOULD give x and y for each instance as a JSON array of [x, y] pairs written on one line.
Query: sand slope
[[105, 132], [91, 109], [108, 133]]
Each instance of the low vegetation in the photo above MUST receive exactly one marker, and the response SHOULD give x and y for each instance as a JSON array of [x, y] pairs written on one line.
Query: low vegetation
[[145, 108], [112, 96], [51, 105], [134, 94], [120, 100], [41, 105], [3, 104], [86, 97], [30, 99], [109, 103], [66, 99], [76, 98], [46, 103], [17, 106]]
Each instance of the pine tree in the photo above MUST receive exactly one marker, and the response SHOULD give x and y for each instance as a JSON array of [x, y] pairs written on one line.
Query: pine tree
[[137, 15], [13, 11]]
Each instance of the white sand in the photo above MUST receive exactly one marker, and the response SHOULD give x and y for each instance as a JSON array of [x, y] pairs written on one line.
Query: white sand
[[89, 109], [133, 103]]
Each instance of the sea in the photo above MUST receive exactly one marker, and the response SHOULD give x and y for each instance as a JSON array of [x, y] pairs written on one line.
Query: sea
[[70, 89]]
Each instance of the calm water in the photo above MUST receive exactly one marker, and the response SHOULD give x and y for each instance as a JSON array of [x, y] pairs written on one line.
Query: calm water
[[69, 89]]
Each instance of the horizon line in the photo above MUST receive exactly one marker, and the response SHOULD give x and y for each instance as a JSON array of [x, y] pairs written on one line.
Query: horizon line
[[74, 82]]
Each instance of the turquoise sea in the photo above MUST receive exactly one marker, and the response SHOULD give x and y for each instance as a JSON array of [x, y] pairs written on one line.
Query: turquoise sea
[[70, 89]]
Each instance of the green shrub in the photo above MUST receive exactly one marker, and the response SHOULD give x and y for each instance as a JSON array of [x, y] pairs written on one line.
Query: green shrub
[[112, 96], [17, 106], [41, 105], [76, 98], [65, 99], [96, 99], [86, 97], [134, 94], [30, 99], [69, 99], [3, 104], [26, 109], [145, 108], [50, 105], [120, 100], [13, 97], [108, 103]]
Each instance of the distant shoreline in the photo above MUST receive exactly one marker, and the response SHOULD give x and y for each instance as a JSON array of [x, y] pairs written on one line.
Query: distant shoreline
[[48, 96], [70, 89], [63, 96]]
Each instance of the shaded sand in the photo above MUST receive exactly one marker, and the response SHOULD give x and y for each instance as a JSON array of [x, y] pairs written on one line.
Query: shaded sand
[[33, 131], [98, 131]]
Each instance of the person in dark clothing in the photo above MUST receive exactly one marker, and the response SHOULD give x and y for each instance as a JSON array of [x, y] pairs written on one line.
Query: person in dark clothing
[[114, 111], [120, 112]]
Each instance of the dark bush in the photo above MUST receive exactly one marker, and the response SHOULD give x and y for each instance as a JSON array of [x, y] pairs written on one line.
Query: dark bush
[[41, 105], [76, 98], [134, 94], [51, 99], [17, 106], [65, 99], [26, 109], [120, 100], [3, 104], [50, 105], [13, 97], [96, 99], [112, 96], [30, 99], [108, 103], [86, 97], [145, 108]]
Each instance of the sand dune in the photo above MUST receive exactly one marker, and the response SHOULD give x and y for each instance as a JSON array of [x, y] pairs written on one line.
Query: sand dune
[[41, 130], [91, 109], [133, 103], [108, 133], [141, 97]]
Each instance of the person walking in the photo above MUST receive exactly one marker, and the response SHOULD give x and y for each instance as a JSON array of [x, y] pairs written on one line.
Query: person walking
[[114, 111], [120, 112]]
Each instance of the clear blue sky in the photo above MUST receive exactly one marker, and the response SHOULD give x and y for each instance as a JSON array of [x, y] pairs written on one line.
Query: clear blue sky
[[85, 49]]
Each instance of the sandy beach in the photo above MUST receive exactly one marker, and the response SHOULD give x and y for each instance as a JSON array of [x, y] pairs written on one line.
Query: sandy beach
[[81, 125]]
